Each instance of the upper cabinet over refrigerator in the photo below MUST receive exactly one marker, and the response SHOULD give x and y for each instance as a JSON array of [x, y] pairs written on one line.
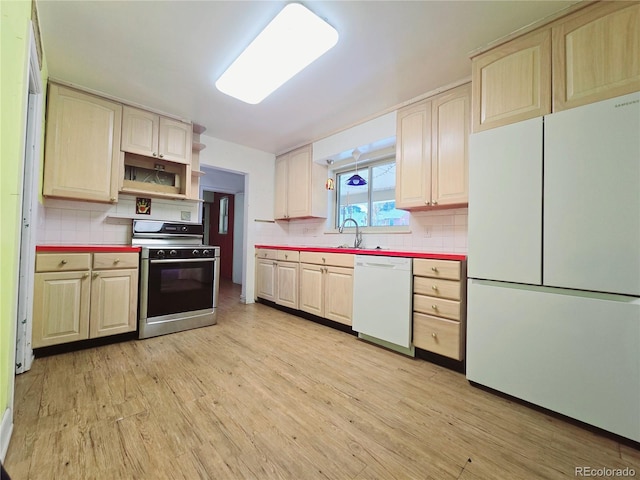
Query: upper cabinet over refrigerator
[[505, 210], [592, 197]]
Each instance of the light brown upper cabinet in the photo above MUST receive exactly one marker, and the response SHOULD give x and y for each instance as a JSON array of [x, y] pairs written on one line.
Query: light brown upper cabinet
[[299, 186], [413, 156], [512, 82], [450, 147], [432, 151], [596, 54], [82, 152], [588, 55], [152, 135]]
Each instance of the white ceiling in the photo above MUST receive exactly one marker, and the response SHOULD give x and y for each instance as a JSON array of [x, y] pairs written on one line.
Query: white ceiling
[[166, 55]]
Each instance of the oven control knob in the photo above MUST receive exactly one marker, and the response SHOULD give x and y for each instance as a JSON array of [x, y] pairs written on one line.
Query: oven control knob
[[206, 253], [184, 228], [160, 253], [173, 253], [196, 253]]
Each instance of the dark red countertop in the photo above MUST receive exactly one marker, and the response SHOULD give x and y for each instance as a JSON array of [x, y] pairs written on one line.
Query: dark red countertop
[[86, 248], [367, 251]]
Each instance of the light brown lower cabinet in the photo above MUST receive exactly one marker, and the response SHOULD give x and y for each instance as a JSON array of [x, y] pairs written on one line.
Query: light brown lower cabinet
[[439, 306], [326, 285], [327, 292], [277, 276], [78, 296], [287, 291]]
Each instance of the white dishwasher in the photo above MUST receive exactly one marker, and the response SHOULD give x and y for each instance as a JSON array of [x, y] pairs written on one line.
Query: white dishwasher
[[382, 301]]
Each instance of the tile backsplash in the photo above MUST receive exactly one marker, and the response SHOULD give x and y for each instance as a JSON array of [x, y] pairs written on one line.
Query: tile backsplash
[[441, 231], [66, 222]]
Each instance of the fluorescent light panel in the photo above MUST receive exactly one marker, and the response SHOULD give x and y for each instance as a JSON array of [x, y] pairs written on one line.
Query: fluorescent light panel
[[294, 38]]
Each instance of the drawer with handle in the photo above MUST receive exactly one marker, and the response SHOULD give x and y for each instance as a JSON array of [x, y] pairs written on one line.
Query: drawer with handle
[[62, 262], [437, 335], [446, 269], [267, 253], [115, 260], [437, 306], [434, 287], [288, 255], [322, 258]]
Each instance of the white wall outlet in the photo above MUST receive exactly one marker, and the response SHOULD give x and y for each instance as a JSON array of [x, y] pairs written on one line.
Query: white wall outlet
[[186, 216]]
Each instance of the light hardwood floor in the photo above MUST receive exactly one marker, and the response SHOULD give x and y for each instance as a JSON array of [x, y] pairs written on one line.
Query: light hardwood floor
[[264, 395]]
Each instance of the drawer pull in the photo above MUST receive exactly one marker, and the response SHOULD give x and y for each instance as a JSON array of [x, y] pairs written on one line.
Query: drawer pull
[[434, 269], [434, 288], [286, 256], [63, 262], [324, 260], [434, 307], [434, 335], [117, 260]]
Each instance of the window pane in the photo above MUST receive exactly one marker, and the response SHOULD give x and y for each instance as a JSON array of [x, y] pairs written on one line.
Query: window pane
[[383, 197], [353, 201], [223, 221]]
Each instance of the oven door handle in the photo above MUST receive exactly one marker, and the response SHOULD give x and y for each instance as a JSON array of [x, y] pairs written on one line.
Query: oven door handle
[[183, 260]]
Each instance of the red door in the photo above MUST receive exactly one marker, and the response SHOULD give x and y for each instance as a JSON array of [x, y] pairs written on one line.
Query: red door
[[221, 231]]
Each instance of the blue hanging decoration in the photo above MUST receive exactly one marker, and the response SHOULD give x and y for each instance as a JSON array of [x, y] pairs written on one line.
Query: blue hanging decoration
[[356, 180]]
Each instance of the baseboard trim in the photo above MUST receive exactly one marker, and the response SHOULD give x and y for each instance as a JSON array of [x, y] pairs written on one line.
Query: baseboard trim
[[6, 428]]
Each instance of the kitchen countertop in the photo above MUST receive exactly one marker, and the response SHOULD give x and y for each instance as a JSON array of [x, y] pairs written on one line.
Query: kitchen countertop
[[85, 248], [370, 251]]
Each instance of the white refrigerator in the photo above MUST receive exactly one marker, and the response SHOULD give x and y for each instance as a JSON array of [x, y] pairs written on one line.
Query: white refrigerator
[[554, 262]]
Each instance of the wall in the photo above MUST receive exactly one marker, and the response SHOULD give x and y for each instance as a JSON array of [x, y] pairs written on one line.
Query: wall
[[442, 231], [259, 169], [68, 222], [14, 52]]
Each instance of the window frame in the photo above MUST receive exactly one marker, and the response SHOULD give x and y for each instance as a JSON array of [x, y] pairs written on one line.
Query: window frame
[[365, 165]]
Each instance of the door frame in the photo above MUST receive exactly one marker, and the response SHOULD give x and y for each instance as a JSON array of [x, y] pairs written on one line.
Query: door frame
[[31, 134], [34, 100]]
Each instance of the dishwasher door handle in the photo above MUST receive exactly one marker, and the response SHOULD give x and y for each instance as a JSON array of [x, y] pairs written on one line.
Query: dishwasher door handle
[[383, 265]]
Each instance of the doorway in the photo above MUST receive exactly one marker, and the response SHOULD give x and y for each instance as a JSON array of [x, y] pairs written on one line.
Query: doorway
[[221, 230]]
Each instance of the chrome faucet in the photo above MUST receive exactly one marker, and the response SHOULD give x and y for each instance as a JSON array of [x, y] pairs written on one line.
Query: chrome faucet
[[358, 241]]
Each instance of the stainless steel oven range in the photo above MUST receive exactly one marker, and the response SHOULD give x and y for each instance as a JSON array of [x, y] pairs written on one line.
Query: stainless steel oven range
[[179, 277]]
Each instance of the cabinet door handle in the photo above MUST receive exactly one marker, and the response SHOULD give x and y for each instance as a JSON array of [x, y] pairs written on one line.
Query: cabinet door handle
[[434, 203], [154, 154], [161, 155], [85, 275], [427, 202], [95, 274]]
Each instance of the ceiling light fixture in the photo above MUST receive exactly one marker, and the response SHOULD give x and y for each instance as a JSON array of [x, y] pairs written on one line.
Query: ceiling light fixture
[[294, 38], [356, 180]]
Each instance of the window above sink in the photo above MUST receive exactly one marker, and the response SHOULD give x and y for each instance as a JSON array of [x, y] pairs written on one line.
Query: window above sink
[[372, 204]]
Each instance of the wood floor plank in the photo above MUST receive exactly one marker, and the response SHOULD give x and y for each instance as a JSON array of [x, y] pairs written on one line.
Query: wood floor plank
[[267, 395]]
